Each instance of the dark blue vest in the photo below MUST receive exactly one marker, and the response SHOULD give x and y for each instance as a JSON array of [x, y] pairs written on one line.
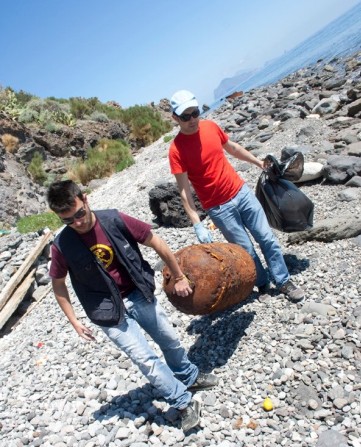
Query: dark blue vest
[[97, 292]]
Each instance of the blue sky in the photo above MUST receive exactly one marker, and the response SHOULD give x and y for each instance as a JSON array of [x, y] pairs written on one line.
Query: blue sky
[[138, 51]]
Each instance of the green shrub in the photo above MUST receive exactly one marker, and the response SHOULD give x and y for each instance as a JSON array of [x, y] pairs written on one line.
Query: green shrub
[[64, 118], [112, 112], [168, 138], [45, 117], [3, 97], [63, 101], [28, 116], [50, 178], [36, 104], [79, 107], [9, 104], [36, 169], [52, 127], [44, 104], [146, 124], [38, 222], [46, 113], [23, 97], [65, 107], [107, 157], [100, 117], [52, 106]]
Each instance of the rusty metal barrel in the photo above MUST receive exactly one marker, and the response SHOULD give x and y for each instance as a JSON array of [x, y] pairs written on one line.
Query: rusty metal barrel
[[221, 275]]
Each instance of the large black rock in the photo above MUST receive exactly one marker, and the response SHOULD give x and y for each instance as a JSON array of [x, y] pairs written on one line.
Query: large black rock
[[341, 168], [165, 203]]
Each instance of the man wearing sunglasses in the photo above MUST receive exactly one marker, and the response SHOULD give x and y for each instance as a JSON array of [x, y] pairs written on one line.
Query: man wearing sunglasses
[[197, 156], [115, 286]]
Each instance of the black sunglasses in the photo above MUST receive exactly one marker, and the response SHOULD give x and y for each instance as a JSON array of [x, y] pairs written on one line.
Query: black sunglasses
[[78, 215], [187, 116]]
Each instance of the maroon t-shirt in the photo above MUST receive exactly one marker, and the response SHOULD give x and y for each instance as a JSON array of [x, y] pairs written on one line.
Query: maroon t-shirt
[[99, 244]]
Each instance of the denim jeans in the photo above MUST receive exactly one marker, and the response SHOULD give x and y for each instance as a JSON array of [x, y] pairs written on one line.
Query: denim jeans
[[172, 377], [245, 212]]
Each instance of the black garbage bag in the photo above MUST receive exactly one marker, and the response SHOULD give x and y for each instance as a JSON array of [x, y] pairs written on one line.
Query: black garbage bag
[[287, 208], [290, 168]]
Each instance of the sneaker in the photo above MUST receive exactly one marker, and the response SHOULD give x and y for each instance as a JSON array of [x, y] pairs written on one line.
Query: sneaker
[[204, 382], [190, 416], [292, 292]]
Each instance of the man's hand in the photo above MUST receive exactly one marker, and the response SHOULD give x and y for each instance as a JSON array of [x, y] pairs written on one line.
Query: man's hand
[[203, 235], [264, 165], [83, 331], [182, 288]]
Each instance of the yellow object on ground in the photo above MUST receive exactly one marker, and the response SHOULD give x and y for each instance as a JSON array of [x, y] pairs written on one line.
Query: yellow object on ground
[[267, 404]]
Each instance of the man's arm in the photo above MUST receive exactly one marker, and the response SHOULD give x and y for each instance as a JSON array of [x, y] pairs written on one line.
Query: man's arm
[[241, 153], [181, 286], [62, 296], [185, 192], [186, 197]]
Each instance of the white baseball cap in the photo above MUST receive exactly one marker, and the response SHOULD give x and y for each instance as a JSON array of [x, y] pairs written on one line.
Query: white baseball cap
[[182, 100]]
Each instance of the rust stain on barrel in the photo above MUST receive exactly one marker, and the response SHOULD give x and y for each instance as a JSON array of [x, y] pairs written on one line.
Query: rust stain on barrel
[[223, 275]]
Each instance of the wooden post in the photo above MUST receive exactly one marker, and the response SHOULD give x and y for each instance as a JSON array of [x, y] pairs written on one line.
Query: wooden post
[[24, 268], [16, 299]]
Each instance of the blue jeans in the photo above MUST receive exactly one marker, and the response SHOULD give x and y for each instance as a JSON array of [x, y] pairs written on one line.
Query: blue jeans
[[172, 377], [245, 212]]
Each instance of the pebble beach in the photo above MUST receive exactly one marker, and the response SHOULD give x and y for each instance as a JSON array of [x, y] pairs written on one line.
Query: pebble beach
[[59, 391]]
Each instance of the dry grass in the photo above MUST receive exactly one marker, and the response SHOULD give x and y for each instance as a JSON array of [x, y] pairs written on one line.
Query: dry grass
[[10, 142]]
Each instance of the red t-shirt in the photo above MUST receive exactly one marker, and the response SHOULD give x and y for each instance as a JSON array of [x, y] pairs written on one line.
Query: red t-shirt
[[201, 156], [99, 244]]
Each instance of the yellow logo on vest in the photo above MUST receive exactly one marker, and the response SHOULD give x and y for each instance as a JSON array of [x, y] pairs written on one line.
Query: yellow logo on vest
[[104, 253]]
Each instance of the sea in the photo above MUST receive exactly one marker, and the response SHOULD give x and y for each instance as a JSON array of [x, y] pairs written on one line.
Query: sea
[[341, 37]]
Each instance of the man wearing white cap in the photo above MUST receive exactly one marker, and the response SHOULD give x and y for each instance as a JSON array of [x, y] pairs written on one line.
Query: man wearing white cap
[[197, 156]]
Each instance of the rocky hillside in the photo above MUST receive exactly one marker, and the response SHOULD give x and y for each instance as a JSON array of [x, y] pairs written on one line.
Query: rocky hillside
[[59, 147]]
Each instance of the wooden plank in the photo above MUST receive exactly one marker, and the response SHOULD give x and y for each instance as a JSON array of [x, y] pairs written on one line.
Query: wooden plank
[[16, 298], [24, 268]]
